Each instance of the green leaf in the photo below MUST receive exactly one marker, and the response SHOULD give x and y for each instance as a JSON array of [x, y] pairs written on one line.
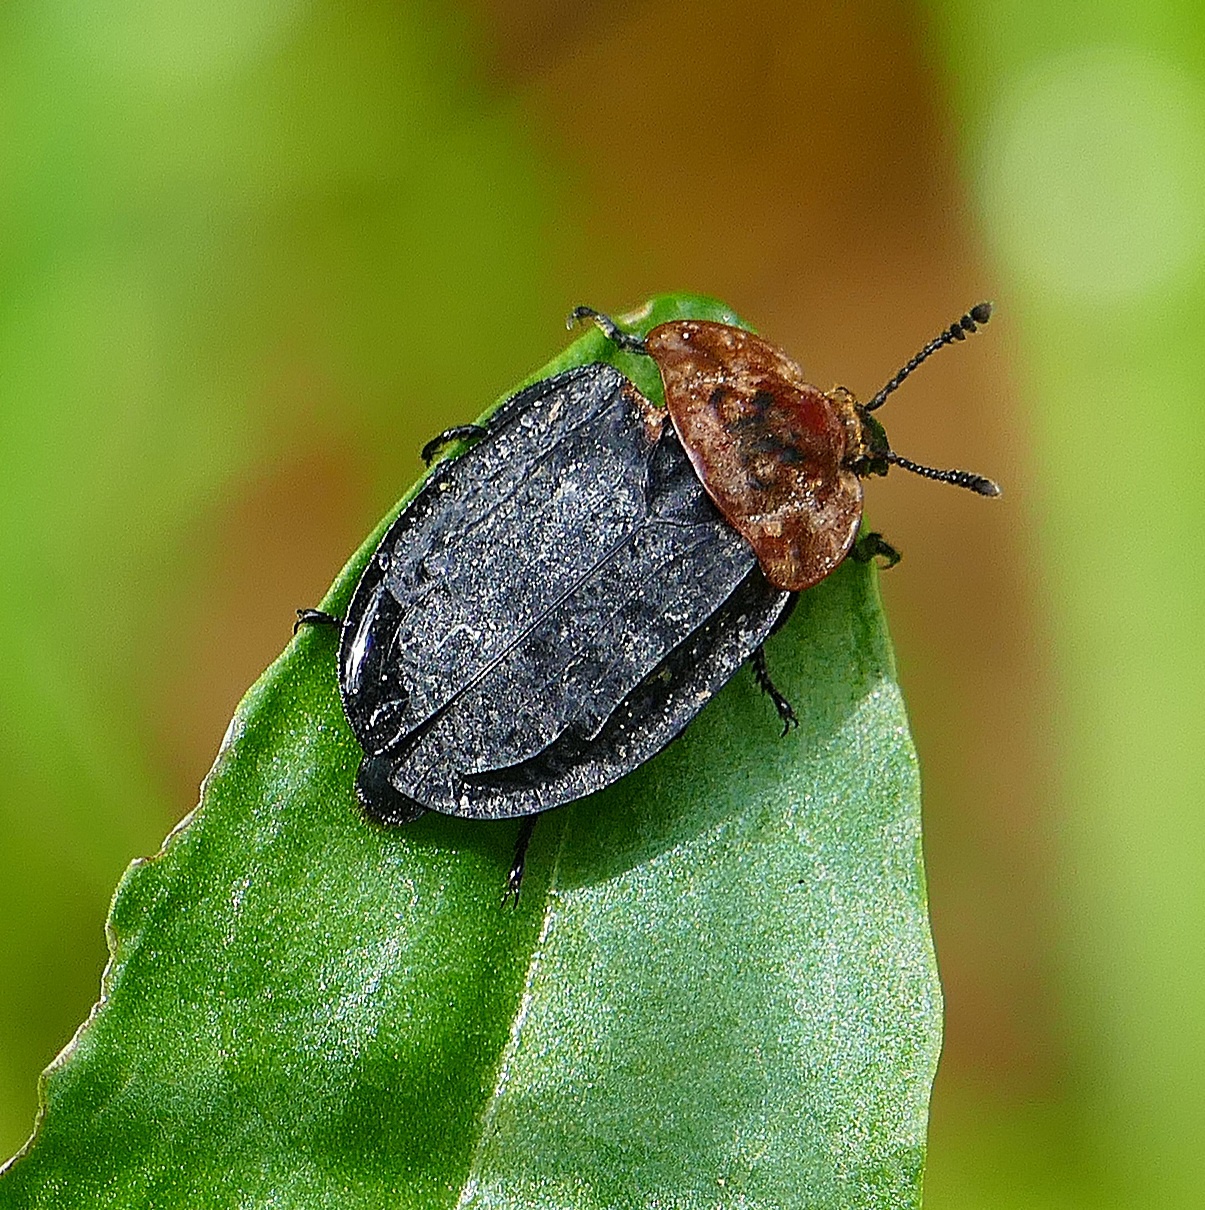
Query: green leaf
[[717, 990]]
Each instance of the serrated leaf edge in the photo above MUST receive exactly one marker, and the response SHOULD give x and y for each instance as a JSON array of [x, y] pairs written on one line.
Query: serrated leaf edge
[[112, 941]]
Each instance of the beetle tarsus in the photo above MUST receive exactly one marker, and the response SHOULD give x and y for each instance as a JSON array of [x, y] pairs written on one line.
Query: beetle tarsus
[[786, 714], [872, 545], [315, 617], [626, 341], [458, 432], [514, 879]]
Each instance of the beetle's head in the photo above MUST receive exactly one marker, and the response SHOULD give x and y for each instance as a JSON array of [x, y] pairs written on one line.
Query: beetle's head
[[875, 447]]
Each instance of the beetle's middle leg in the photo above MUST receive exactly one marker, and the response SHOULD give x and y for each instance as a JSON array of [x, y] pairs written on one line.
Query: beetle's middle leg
[[458, 432], [785, 713], [315, 617]]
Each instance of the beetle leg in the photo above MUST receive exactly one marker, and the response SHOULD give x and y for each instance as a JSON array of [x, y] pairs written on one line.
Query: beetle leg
[[619, 338], [515, 878], [872, 544], [315, 617], [458, 432], [767, 686]]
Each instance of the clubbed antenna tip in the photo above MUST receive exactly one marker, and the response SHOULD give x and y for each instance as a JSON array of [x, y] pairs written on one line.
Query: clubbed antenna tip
[[970, 322], [967, 479]]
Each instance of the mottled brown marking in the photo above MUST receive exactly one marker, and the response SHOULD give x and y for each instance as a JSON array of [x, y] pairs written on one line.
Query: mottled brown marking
[[651, 416], [771, 450]]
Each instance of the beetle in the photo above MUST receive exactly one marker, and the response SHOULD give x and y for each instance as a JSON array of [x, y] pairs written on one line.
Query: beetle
[[558, 601]]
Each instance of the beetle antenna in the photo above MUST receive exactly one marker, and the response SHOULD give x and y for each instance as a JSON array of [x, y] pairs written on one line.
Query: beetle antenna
[[976, 483], [958, 330]]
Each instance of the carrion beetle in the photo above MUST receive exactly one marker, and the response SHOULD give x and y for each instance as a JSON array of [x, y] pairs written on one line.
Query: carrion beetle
[[558, 601]]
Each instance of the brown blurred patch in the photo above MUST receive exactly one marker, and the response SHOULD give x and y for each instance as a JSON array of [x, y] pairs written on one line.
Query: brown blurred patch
[[273, 544], [794, 159]]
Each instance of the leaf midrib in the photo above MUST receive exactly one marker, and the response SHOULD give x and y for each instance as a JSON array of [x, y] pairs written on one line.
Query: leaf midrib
[[489, 1110]]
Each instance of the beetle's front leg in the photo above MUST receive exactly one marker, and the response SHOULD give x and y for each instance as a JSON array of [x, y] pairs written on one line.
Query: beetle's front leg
[[871, 545]]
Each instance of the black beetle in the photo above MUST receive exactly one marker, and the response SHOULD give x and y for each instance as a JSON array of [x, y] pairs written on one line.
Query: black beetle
[[556, 603]]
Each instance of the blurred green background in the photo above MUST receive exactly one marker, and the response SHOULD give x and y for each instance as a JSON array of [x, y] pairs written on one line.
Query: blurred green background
[[244, 245]]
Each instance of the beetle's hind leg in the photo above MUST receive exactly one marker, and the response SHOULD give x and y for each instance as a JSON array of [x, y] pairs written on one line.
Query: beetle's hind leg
[[785, 713], [872, 545], [514, 879], [458, 432], [315, 617]]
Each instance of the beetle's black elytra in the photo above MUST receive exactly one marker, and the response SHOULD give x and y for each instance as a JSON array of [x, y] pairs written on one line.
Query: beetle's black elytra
[[548, 612]]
